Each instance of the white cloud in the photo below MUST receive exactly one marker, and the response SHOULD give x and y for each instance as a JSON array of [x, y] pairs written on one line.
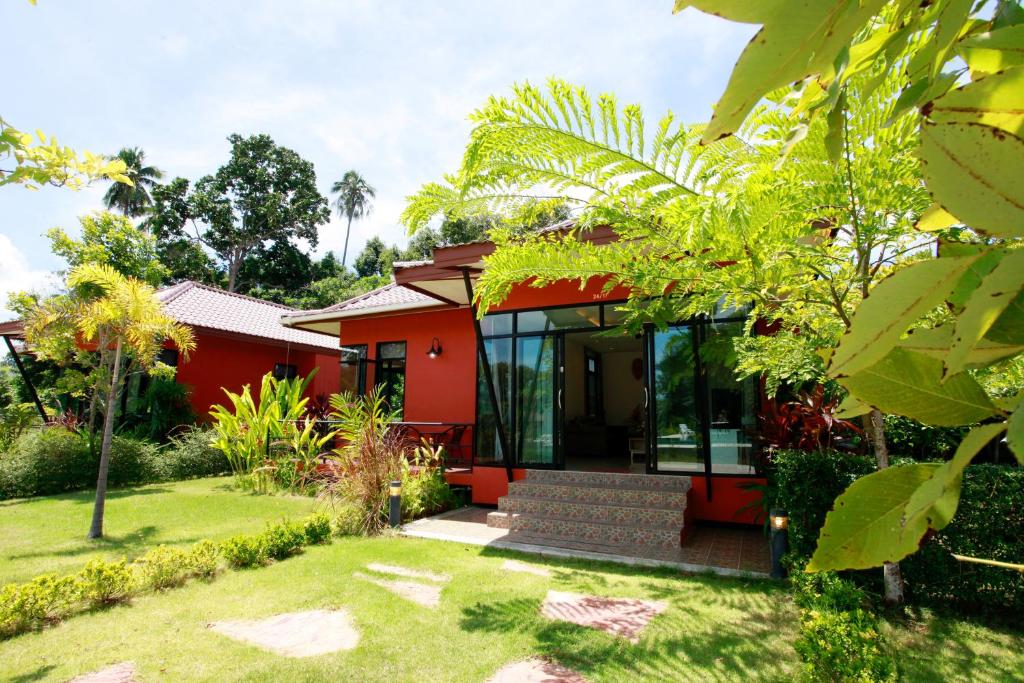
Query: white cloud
[[16, 276]]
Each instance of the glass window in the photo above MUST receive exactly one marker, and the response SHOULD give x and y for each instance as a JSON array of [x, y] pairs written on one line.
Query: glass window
[[558, 319], [488, 443], [535, 405], [391, 375], [613, 316], [353, 369], [285, 371], [593, 389], [732, 402], [168, 357], [496, 324], [676, 419]]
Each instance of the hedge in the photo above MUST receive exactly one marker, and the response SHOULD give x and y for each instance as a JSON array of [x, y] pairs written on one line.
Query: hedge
[[989, 523], [56, 460]]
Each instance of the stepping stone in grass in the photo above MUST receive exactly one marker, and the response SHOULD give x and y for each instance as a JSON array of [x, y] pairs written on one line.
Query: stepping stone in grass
[[117, 673], [297, 634], [408, 573], [535, 670], [420, 593], [626, 617], [517, 566]]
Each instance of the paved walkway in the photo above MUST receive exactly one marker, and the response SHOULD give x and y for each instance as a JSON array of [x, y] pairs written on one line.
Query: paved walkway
[[729, 551]]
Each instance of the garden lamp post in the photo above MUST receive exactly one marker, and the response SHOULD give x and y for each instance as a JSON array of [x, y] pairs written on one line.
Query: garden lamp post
[[779, 540]]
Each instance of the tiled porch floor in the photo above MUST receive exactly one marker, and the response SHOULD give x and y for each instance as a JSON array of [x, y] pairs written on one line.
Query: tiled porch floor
[[725, 550]]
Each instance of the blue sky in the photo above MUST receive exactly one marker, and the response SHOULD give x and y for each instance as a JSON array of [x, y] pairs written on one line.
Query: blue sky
[[382, 87]]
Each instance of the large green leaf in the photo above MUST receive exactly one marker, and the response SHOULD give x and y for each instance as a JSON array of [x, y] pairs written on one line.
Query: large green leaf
[[934, 503], [995, 50], [1015, 433], [911, 384], [866, 527], [996, 100], [985, 305], [974, 170], [851, 407], [1009, 328], [894, 305], [797, 39], [936, 342]]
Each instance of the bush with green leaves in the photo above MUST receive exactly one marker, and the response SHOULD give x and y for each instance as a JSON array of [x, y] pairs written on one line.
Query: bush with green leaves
[[103, 583], [162, 567], [203, 559], [919, 441], [826, 591], [55, 460], [15, 420], [317, 529], [424, 489], [806, 484], [189, 454], [43, 600], [244, 551], [284, 540], [844, 646], [989, 524]]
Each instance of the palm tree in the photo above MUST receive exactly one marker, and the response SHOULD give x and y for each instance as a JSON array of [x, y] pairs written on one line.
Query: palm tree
[[354, 195], [133, 200], [124, 321]]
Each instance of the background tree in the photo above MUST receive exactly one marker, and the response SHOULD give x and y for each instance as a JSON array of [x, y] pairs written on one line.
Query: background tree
[[376, 258], [354, 201], [134, 199], [122, 323], [263, 195], [113, 240]]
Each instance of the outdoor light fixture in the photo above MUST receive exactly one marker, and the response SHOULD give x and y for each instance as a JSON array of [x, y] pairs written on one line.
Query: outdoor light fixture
[[395, 505], [435, 348], [780, 540]]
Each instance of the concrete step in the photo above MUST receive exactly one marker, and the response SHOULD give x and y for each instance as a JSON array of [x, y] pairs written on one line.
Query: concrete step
[[645, 552], [673, 499], [655, 482], [595, 532], [642, 516]]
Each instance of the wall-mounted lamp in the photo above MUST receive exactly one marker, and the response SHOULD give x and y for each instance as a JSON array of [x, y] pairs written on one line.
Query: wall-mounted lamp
[[435, 348]]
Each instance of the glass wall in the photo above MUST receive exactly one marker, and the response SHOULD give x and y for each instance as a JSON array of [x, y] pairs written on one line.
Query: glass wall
[[677, 421], [488, 443], [535, 407], [732, 402]]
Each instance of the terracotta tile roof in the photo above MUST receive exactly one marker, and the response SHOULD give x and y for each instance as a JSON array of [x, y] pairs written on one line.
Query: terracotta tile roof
[[386, 296], [201, 305]]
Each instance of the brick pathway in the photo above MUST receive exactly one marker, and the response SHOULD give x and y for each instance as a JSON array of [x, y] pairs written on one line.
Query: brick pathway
[[626, 617], [297, 634], [536, 670]]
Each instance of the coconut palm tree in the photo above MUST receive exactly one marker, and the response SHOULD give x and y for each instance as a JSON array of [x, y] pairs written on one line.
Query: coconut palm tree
[[354, 197], [133, 200]]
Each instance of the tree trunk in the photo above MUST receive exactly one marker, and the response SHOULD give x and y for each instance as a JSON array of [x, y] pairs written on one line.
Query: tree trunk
[[344, 252], [891, 574], [96, 530], [233, 274]]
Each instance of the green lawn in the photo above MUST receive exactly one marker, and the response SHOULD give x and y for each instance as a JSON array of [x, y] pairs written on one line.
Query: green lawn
[[715, 628], [40, 535]]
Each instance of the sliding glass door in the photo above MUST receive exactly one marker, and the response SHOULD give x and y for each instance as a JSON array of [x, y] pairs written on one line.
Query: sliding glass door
[[537, 400], [675, 433]]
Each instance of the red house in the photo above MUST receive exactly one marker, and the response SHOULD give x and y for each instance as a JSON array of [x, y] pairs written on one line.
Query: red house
[[238, 340], [550, 388]]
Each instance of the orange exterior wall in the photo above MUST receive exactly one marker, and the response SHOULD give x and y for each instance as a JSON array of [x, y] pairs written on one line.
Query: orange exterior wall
[[443, 389], [232, 363]]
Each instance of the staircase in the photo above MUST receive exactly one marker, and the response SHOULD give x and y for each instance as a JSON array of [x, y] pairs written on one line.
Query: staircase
[[620, 514]]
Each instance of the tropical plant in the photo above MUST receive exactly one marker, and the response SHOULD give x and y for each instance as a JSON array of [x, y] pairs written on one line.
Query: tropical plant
[[122, 324], [808, 423], [263, 195], [133, 199], [354, 201], [15, 420], [32, 164], [965, 83]]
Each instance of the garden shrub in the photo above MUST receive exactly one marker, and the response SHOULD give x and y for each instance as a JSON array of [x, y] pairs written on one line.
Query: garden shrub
[[162, 567], [190, 455], [203, 559], [45, 599], [806, 485], [989, 523], [908, 437], [103, 583], [843, 646], [826, 590], [348, 519], [55, 460], [317, 529], [424, 489], [245, 551], [283, 540]]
